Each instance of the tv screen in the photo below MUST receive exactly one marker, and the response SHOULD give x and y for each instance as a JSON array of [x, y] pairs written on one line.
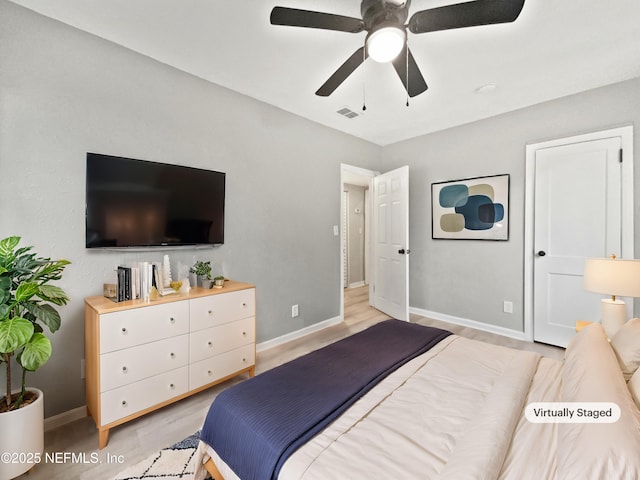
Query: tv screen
[[137, 203]]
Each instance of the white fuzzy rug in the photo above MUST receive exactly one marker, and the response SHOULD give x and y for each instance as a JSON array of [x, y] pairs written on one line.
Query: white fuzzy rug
[[172, 463]]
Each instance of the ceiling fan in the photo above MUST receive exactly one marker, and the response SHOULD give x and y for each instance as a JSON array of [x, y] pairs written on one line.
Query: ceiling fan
[[386, 40]]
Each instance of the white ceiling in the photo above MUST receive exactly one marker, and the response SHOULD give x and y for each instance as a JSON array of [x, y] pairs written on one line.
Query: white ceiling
[[555, 48]]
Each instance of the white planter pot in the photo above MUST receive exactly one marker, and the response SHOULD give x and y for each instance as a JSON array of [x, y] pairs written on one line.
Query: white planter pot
[[22, 438]]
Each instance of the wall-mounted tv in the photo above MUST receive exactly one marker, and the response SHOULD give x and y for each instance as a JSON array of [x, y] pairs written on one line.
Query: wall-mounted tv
[[137, 203]]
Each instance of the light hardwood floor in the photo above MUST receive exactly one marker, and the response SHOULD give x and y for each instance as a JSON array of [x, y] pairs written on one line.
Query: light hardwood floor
[[136, 440]]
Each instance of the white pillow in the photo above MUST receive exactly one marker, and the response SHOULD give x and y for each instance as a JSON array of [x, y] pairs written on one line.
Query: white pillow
[[634, 387], [596, 451], [626, 345]]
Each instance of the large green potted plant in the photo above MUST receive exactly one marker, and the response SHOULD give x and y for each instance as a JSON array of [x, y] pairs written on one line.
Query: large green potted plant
[[27, 305]]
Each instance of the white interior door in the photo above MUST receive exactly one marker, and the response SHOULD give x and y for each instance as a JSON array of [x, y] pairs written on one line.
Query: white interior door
[[391, 243], [577, 215]]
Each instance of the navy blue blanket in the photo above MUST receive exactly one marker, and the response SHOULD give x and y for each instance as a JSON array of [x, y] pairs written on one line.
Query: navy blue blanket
[[254, 426]]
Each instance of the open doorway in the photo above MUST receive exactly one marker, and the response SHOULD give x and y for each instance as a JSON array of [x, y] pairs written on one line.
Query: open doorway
[[386, 269], [355, 240], [355, 235]]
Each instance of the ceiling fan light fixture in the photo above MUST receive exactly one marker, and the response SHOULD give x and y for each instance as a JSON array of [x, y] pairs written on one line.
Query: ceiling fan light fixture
[[385, 43]]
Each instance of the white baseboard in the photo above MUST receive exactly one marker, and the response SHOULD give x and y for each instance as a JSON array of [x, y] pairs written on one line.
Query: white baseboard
[[274, 342], [63, 418], [465, 322], [357, 284]]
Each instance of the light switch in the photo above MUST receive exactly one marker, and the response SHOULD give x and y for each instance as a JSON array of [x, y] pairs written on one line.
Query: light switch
[[507, 307]]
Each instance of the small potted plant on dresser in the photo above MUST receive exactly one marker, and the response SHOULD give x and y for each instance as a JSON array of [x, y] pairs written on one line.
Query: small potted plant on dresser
[[27, 300], [203, 273], [218, 282]]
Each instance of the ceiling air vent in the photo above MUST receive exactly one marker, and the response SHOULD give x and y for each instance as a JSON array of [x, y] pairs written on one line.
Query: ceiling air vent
[[347, 112]]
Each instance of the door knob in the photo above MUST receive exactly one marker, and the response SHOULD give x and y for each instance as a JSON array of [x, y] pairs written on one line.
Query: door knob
[[542, 253]]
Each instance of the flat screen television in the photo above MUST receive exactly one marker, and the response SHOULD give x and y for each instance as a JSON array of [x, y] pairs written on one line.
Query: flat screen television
[[137, 203]]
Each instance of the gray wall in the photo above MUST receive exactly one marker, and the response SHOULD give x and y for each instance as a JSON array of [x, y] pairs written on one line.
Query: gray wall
[[64, 92], [470, 279]]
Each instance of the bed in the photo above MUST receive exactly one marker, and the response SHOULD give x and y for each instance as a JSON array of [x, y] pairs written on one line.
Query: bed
[[451, 408]]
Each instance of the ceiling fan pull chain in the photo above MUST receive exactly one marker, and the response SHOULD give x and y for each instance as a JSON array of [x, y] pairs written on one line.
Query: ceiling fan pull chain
[[364, 97], [406, 63]]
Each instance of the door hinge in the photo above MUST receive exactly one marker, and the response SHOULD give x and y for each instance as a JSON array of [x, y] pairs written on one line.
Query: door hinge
[[620, 155]]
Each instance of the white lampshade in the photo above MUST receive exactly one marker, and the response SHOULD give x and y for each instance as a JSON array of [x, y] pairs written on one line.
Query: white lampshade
[[612, 276], [616, 278], [384, 44]]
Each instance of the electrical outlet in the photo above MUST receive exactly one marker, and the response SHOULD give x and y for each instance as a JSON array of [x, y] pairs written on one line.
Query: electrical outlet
[[294, 311], [507, 307]]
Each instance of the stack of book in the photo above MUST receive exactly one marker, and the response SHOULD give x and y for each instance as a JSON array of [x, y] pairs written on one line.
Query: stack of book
[[135, 282]]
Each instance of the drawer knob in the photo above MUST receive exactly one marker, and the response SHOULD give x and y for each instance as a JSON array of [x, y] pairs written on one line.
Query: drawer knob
[[125, 370], [244, 334], [209, 372], [124, 403], [172, 386], [210, 312], [210, 343], [172, 355], [244, 304], [172, 320], [124, 331], [244, 360]]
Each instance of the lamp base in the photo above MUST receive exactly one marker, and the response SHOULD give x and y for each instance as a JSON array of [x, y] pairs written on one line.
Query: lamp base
[[614, 314]]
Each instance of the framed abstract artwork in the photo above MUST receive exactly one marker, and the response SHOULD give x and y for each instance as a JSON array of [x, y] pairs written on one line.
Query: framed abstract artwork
[[471, 208]]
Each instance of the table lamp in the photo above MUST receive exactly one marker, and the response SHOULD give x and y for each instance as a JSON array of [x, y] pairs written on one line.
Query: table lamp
[[615, 277]]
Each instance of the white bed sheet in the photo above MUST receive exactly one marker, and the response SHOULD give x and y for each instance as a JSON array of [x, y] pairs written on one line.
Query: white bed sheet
[[533, 445], [450, 413]]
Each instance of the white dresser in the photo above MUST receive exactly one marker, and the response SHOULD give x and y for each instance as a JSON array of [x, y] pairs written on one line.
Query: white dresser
[[141, 356]]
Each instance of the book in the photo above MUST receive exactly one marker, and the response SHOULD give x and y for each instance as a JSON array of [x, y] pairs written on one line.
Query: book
[[124, 284], [120, 284]]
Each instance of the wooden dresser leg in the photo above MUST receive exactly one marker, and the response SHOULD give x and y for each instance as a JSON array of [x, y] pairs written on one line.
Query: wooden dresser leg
[[252, 371], [103, 438]]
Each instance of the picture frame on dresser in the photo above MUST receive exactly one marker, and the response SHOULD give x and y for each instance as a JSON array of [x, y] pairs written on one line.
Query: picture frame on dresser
[[144, 355]]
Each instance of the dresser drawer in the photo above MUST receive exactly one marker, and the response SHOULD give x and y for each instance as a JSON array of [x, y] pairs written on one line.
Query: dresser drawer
[[128, 328], [213, 368], [124, 401], [206, 312], [136, 363], [212, 341]]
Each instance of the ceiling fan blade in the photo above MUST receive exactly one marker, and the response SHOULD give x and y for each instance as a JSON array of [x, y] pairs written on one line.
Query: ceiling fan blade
[[294, 17], [417, 85], [341, 74], [468, 14]]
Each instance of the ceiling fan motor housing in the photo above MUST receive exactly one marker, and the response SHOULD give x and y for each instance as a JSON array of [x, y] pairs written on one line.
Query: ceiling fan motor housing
[[376, 13]]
